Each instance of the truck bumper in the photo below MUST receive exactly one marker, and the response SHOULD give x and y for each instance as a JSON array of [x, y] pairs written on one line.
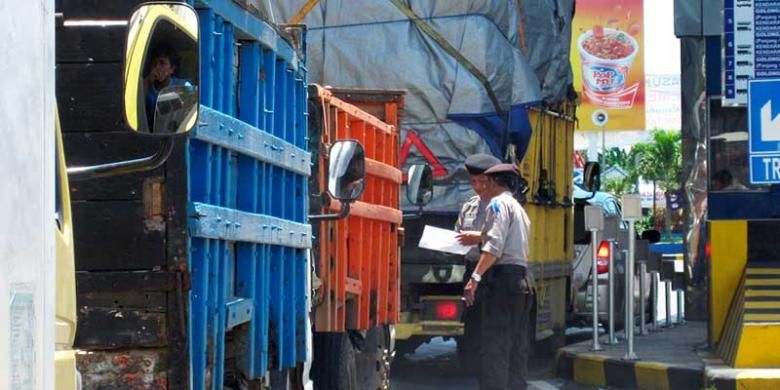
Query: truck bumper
[[433, 315], [65, 373], [411, 325]]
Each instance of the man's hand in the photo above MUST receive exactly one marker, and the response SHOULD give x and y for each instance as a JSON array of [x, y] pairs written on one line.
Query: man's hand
[[470, 291], [469, 238]]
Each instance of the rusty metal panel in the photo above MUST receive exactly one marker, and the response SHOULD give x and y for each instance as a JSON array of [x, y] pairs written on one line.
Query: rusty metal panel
[[133, 370], [359, 256]]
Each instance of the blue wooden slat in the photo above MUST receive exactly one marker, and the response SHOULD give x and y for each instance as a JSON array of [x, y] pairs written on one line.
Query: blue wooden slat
[[224, 284], [289, 304], [236, 135], [217, 283], [199, 253], [229, 91], [206, 56], [276, 306], [249, 90], [209, 221], [219, 63], [269, 71], [211, 305], [264, 269]]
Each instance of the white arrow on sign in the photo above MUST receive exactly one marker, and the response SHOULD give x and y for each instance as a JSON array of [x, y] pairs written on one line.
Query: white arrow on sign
[[770, 127]]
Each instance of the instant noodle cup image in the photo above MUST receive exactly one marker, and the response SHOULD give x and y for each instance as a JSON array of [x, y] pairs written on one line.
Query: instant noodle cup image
[[607, 55]]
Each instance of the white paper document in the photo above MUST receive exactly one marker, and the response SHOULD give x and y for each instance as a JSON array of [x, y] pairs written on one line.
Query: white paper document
[[442, 240]]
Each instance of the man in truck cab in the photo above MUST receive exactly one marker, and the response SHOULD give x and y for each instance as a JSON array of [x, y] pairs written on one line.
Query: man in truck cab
[[161, 70], [469, 226], [506, 292]]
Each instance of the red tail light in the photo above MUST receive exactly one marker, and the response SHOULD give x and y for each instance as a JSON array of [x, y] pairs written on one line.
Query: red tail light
[[447, 311], [602, 257]]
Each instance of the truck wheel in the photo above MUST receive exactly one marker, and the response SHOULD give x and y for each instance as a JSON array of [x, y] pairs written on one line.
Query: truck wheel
[[373, 362], [334, 366], [279, 380]]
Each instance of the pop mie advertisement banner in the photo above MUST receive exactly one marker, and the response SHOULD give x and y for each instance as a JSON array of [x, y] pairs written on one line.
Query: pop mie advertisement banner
[[608, 63]]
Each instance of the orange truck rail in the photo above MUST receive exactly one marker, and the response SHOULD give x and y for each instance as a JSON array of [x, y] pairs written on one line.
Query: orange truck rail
[[359, 256]]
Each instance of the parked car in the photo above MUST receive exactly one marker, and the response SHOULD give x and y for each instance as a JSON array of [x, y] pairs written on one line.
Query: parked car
[[581, 309]]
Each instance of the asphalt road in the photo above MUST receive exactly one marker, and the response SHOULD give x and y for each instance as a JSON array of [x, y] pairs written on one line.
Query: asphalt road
[[435, 366]]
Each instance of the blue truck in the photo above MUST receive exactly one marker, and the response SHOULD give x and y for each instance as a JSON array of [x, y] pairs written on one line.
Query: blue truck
[[192, 252]]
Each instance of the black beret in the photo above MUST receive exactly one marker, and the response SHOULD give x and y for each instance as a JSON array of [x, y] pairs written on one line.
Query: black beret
[[502, 169], [477, 164]]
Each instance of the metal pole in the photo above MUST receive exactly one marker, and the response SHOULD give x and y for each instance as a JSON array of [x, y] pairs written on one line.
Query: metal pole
[[654, 313], [668, 288], [611, 294], [642, 300], [630, 355], [680, 312], [595, 281]]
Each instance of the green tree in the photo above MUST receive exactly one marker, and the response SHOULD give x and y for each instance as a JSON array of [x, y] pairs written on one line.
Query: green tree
[[619, 187], [660, 160]]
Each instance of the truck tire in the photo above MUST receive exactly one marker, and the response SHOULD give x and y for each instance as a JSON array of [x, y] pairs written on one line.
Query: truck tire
[[373, 361], [279, 380], [334, 366]]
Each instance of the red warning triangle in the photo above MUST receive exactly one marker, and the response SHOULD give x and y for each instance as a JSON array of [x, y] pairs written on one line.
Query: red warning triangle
[[413, 139]]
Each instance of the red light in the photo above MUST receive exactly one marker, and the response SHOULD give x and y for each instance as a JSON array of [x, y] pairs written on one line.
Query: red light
[[602, 257], [447, 311], [708, 249]]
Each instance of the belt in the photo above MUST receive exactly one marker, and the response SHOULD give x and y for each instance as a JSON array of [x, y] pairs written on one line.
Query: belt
[[508, 269]]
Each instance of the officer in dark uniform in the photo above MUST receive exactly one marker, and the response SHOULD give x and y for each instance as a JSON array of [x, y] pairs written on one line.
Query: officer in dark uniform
[[469, 227], [506, 292]]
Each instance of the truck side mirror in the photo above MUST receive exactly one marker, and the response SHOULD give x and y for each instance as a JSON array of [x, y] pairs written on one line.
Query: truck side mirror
[[592, 176], [162, 69], [419, 188], [346, 170]]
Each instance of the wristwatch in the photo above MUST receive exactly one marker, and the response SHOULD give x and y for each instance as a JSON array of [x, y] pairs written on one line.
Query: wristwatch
[[477, 277]]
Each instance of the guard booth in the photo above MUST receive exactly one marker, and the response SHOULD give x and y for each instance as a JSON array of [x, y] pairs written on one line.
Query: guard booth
[[744, 234]]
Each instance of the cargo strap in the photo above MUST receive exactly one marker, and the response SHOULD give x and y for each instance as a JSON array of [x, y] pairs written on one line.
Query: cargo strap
[[447, 47], [303, 11]]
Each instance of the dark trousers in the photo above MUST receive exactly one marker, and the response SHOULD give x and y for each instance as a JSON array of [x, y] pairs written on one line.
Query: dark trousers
[[469, 344], [506, 302]]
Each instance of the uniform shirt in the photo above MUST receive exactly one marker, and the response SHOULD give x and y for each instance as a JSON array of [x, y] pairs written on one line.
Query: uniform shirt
[[506, 231], [472, 217]]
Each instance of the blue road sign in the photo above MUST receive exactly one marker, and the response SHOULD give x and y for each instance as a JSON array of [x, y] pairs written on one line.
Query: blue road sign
[[764, 130]]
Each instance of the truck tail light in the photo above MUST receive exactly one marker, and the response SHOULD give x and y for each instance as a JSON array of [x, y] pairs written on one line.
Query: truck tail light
[[602, 257], [447, 311]]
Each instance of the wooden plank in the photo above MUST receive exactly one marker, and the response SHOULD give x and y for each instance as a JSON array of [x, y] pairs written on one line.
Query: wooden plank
[[90, 97], [84, 44], [97, 9], [114, 236], [153, 302], [141, 282], [110, 328], [84, 149]]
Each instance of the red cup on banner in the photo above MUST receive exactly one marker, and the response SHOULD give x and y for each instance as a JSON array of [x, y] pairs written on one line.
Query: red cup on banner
[[606, 55]]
